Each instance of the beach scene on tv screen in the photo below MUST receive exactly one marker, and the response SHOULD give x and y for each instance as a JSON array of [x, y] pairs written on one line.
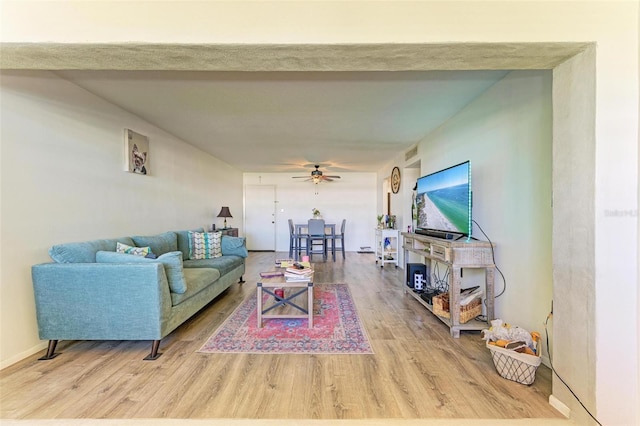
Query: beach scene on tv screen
[[443, 200]]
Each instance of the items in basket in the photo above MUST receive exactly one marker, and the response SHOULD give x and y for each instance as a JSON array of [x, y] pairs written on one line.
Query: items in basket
[[501, 334], [515, 351], [470, 306]]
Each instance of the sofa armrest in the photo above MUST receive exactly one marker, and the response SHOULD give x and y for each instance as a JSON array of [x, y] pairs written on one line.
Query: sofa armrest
[[94, 301]]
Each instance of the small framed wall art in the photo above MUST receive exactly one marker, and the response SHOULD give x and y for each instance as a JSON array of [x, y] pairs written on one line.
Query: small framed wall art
[[136, 152]]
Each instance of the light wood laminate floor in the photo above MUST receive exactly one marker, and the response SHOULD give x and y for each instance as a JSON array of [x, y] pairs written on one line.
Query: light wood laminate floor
[[417, 372]]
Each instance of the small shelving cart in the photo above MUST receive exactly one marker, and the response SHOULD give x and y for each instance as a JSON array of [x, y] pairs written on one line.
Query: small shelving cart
[[387, 246]]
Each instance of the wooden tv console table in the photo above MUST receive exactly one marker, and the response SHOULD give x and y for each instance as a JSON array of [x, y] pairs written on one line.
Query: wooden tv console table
[[457, 254]]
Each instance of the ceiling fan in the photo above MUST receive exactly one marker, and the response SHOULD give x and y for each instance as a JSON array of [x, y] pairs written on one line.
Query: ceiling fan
[[317, 176]]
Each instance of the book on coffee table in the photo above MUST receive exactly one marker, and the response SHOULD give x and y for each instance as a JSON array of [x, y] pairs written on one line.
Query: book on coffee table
[[291, 264], [271, 274], [299, 271], [296, 274], [298, 278]]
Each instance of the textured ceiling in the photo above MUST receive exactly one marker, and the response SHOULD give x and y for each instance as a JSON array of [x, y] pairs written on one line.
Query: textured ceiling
[[282, 121], [283, 108]]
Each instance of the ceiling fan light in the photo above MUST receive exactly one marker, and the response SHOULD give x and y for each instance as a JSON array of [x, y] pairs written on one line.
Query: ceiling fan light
[[317, 176]]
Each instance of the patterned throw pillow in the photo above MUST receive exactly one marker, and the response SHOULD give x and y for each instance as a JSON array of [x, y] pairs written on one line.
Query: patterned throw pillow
[[138, 251], [205, 245]]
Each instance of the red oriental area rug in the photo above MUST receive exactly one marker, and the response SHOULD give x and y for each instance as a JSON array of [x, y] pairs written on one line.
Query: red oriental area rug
[[337, 328]]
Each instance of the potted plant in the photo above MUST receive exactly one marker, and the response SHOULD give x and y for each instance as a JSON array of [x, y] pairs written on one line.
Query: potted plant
[[316, 213]]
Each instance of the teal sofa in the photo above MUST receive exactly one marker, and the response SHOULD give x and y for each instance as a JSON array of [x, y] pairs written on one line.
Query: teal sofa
[[91, 292]]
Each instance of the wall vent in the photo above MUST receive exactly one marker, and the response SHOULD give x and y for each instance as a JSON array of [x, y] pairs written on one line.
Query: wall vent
[[411, 153]]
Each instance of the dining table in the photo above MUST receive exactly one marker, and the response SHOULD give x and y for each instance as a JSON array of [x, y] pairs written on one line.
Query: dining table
[[302, 231]]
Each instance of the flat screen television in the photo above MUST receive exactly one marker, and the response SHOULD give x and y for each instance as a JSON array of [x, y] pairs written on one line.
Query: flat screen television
[[443, 202]]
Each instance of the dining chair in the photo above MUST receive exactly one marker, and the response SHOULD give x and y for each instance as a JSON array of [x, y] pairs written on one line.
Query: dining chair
[[295, 241], [338, 237], [316, 237], [292, 239]]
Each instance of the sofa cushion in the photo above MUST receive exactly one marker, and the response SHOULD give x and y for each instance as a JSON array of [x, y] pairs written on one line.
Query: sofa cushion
[[171, 261], [204, 245], [84, 252], [183, 241], [197, 280], [233, 246], [224, 264], [160, 244], [138, 251]]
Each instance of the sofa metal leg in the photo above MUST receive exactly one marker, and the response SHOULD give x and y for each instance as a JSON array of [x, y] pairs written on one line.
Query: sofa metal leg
[[155, 345], [241, 280], [51, 349]]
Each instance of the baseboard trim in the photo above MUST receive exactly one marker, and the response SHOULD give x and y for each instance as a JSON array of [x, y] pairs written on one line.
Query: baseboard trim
[[545, 361], [22, 355], [558, 405]]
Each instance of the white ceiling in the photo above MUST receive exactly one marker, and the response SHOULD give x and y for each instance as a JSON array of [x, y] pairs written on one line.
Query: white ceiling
[[286, 121]]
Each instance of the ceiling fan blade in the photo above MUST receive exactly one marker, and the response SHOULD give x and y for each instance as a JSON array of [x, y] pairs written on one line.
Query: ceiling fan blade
[[317, 176]]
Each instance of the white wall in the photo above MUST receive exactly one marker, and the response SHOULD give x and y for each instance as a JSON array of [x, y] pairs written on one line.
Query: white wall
[[505, 133], [352, 197], [63, 180], [409, 178]]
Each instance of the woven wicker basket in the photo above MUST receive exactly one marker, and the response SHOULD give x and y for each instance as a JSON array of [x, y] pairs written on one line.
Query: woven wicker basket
[[515, 366], [467, 312]]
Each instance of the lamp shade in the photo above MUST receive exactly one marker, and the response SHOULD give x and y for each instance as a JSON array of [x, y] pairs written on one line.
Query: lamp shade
[[224, 212]]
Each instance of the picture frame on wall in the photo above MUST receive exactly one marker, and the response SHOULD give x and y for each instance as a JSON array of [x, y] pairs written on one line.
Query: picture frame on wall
[[136, 152]]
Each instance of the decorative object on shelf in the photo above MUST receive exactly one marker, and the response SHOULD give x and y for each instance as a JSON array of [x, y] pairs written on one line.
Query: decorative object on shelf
[[414, 208], [418, 281], [136, 152], [224, 212], [316, 213], [395, 180], [391, 222], [380, 222]]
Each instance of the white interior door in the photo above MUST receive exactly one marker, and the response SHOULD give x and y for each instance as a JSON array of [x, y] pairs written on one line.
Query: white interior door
[[260, 217]]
